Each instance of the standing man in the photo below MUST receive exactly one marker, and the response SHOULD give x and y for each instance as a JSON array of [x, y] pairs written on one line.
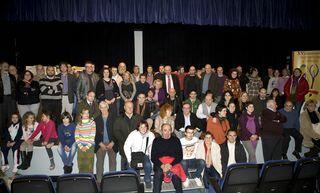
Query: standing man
[[191, 82], [207, 80], [51, 90], [170, 80], [220, 78], [87, 81], [103, 140], [69, 89]]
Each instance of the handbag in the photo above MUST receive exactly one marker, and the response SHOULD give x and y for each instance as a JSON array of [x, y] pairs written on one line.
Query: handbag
[[137, 158]]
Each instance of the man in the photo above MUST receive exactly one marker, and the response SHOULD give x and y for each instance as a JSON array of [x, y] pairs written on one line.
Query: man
[[87, 81], [89, 103], [142, 85], [7, 96], [40, 73], [174, 100], [116, 76], [189, 148], [69, 89], [136, 73], [207, 107], [207, 80], [291, 128], [160, 73], [191, 82], [271, 121], [232, 151], [181, 74], [142, 109], [166, 145], [51, 90], [122, 126], [103, 140], [260, 102], [266, 79], [150, 75], [184, 119], [243, 78], [170, 80], [122, 68], [220, 78], [193, 101]]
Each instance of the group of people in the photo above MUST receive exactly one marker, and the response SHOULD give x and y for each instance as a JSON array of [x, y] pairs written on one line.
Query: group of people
[[166, 121]]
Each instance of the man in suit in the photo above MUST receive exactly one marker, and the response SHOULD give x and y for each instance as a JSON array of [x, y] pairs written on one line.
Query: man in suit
[[87, 81], [184, 119], [69, 89], [207, 80], [103, 140], [170, 80], [89, 103], [122, 127]]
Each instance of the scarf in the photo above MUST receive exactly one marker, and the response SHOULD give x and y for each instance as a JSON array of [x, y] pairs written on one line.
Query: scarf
[[313, 117], [251, 126]]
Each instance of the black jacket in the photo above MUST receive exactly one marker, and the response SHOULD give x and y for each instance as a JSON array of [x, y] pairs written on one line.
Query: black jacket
[[13, 88], [100, 90], [176, 104], [179, 121], [175, 80], [100, 131], [27, 95], [191, 83], [240, 155], [7, 136]]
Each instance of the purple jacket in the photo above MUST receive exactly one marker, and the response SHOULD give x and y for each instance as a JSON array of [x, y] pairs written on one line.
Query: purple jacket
[[245, 134], [161, 95]]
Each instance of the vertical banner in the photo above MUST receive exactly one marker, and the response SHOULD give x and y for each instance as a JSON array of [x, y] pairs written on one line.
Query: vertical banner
[[309, 63]]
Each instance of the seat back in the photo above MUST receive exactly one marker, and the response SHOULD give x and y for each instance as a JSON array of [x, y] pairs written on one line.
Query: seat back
[[3, 186], [77, 183], [305, 175], [122, 181], [32, 184], [275, 176], [241, 178]]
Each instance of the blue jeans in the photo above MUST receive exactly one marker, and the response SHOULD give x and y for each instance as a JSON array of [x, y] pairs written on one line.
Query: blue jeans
[[147, 167], [210, 173], [197, 164], [67, 159]]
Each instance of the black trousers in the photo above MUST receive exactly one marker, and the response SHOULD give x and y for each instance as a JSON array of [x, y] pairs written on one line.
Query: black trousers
[[7, 107], [158, 178], [53, 106], [286, 139], [272, 147]]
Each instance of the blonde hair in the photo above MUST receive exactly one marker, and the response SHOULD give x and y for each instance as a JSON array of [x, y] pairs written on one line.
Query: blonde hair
[[308, 102], [164, 108]]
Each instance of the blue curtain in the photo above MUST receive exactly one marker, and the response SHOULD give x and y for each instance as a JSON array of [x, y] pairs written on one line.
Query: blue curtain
[[287, 14]]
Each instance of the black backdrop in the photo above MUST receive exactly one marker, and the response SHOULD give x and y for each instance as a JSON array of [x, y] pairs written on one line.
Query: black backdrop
[[49, 43]]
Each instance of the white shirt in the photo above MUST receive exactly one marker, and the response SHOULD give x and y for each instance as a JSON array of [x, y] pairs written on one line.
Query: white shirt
[[189, 147], [200, 113], [171, 82], [13, 131], [231, 148], [187, 121]]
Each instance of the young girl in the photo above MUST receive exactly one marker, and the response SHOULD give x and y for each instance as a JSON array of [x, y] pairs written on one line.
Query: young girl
[[12, 140], [67, 142], [29, 125], [49, 138], [84, 137]]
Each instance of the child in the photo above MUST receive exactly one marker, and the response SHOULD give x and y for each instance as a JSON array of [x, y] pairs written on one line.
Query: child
[[49, 136], [67, 142], [84, 136], [12, 140], [29, 125]]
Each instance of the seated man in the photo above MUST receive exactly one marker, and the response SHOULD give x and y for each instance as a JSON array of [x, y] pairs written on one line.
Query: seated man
[[90, 104], [166, 146], [184, 119], [189, 148], [174, 100], [232, 151], [193, 101]]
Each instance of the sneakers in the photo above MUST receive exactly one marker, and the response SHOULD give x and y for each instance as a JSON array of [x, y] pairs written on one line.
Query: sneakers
[[186, 183], [198, 181], [148, 185], [5, 168]]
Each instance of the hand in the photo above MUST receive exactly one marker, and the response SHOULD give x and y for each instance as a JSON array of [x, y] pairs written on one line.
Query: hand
[[49, 145], [8, 144], [110, 145], [103, 146], [66, 149], [84, 148], [44, 143], [214, 120]]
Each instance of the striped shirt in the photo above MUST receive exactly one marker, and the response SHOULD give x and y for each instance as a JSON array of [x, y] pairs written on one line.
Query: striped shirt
[[85, 133], [51, 89]]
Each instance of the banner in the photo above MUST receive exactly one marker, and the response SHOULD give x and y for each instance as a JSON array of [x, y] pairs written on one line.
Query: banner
[[309, 63]]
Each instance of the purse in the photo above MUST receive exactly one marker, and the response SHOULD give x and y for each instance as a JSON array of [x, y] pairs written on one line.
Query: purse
[[137, 158]]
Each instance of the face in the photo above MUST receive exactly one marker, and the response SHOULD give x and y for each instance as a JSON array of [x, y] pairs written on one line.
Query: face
[[208, 68], [167, 70], [126, 76], [166, 131], [193, 95], [45, 118], [189, 134], [66, 120], [5, 67], [181, 70], [223, 112], [161, 69], [272, 105], [114, 71], [128, 108], [172, 92], [192, 70], [208, 99], [186, 109], [27, 76], [103, 108], [106, 73], [227, 96], [234, 74], [275, 93], [239, 68], [220, 71], [311, 107], [263, 93], [158, 84], [12, 70], [276, 73], [284, 72], [250, 108], [143, 129], [14, 119], [30, 119], [150, 94], [168, 112], [254, 73], [70, 70], [208, 139], [40, 69], [63, 68], [232, 136], [244, 97], [270, 71], [143, 79], [91, 96], [232, 108], [141, 98], [297, 73], [288, 106], [89, 68], [150, 70], [136, 70], [85, 114], [50, 71], [122, 67]]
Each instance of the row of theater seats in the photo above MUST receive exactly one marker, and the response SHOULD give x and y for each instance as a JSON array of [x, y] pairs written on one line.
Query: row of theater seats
[[281, 176]]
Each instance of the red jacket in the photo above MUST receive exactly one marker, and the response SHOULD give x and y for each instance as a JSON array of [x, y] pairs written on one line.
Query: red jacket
[[302, 88], [176, 169]]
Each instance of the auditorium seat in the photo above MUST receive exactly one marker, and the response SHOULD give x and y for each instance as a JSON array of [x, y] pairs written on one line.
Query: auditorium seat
[[32, 184], [240, 178], [306, 172], [3, 186], [121, 182], [77, 183], [275, 176]]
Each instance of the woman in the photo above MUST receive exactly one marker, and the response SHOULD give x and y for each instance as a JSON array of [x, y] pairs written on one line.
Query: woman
[[241, 105], [227, 97], [283, 80], [140, 140], [67, 142], [29, 125], [159, 93], [255, 83], [249, 131], [108, 90], [127, 87], [309, 120], [219, 125], [232, 116], [232, 84], [152, 105], [28, 92], [164, 117], [49, 138], [275, 95], [273, 81], [84, 137]]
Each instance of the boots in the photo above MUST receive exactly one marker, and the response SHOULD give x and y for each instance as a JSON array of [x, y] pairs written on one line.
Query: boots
[[29, 158], [23, 165]]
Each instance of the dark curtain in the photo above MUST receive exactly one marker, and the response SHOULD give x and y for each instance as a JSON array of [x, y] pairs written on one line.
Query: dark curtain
[[289, 14]]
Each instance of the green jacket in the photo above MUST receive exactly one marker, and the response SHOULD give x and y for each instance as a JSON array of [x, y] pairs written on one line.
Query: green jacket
[[194, 105]]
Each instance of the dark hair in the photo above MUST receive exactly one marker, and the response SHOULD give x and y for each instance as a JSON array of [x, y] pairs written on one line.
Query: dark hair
[[142, 75], [220, 107], [46, 113], [108, 69], [231, 130], [142, 122], [248, 103], [24, 72], [63, 63], [66, 115], [190, 128]]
